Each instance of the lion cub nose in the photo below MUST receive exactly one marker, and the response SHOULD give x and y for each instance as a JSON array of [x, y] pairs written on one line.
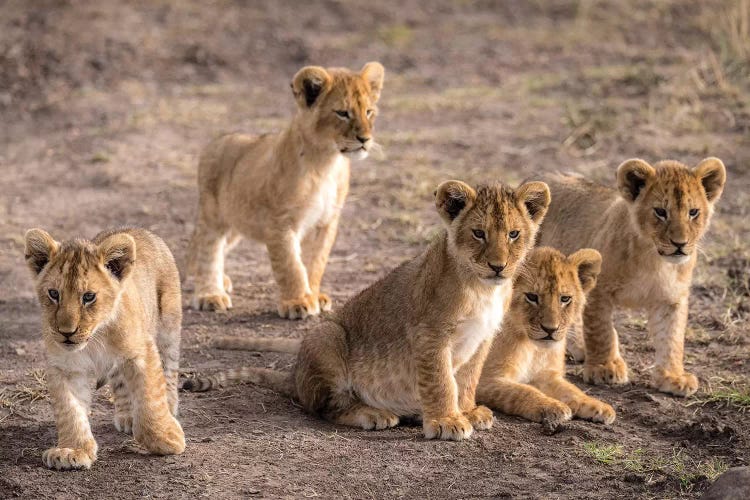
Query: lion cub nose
[[67, 335], [549, 330], [678, 244], [496, 268], [362, 139]]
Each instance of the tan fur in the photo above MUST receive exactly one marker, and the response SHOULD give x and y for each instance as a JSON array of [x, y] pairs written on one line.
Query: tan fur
[[640, 269], [129, 333], [413, 343], [285, 190], [524, 373]]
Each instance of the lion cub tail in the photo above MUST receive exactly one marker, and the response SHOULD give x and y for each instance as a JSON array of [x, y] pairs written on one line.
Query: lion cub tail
[[290, 346], [273, 379]]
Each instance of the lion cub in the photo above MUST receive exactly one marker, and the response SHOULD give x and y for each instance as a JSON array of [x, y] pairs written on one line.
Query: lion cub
[[285, 190], [648, 232], [110, 308], [524, 374], [413, 343]]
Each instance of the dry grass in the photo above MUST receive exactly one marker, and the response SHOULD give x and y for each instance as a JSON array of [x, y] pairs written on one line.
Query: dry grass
[[678, 466], [24, 394]]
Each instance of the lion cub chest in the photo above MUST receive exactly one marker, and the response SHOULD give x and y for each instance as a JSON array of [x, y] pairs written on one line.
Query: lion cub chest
[[322, 204], [480, 325]]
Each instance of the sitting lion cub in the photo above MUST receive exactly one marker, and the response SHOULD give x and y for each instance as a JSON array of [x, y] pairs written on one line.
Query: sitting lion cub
[[285, 190], [648, 235], [110, 308], [524, 373], [413, 343]]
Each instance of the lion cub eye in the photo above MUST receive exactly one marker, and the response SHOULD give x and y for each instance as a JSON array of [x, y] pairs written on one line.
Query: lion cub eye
[[660, 213], [513, 235], [479, 234], [88, 298], [694, 213], [565, 299], [532, 298], [344, 115], [369, 113], [53, 294]]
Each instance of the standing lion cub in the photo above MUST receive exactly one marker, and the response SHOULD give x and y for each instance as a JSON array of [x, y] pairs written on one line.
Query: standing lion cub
[[285, 190], [413, 343], [110, 309], [648, 232], [524, 373]]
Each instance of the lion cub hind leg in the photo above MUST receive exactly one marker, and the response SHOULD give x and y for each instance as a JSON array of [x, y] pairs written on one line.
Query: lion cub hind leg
[[168, 342], [367, 417], [121, 395], [208, 247]]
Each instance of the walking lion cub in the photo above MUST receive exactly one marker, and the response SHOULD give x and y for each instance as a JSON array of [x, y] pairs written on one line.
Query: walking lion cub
[[413, 343], [648, 232], [285, 190], [524, 373], [110, 309]]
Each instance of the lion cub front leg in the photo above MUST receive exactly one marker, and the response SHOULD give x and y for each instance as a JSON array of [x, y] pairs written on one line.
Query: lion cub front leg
[[316, 247], [154, 426], [467, 379], [582, 405], [513, 398], [441, 416], [70, 394], [297, 300], [666, 325], [603, 364], [207, 262]]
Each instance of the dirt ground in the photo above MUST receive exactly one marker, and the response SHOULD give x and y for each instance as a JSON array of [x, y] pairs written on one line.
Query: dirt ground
[[105, 105]]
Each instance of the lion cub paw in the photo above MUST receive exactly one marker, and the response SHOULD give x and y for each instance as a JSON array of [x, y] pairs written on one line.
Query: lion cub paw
[[324, 302], [680, 385], [212, 302], [369, 418], [614, 372], [162, 439], [553, 415], [124, 423], [596, 411], [454, 428], [480, 417], [299, 308], [68, 458]]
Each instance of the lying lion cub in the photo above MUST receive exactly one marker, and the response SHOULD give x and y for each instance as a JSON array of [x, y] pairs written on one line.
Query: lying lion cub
[[524, 373], [648, 234], [413, 343], [110, 308], [285, 190]]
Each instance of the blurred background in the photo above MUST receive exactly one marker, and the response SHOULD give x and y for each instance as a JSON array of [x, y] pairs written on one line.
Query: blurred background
[[105, 105]]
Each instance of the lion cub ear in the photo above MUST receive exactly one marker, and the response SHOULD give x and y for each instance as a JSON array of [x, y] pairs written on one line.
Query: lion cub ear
[[712, 174], [632, 176], [40, 247], [536, 198], [589, 264], [309, 83], [373, 73], [117, 254], [451, 197]]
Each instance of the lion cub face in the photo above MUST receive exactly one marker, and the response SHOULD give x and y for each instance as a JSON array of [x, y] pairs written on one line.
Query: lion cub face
[[78, 283], [337, 106], [490, 229], [670, 203], [550, 291]]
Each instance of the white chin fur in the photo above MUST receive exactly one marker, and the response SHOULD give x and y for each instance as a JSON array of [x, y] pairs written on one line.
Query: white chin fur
[[493, 281], [676, 259], [360, 154]]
